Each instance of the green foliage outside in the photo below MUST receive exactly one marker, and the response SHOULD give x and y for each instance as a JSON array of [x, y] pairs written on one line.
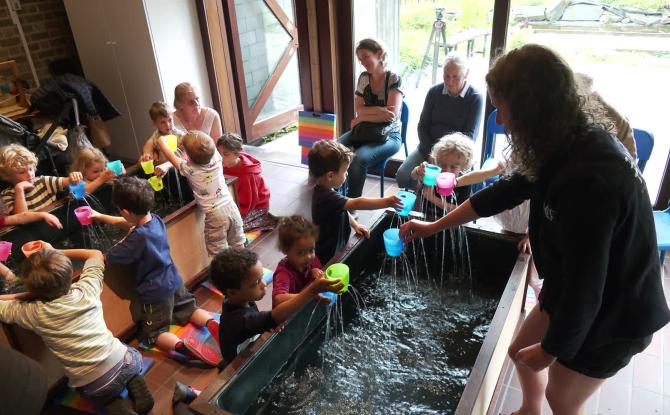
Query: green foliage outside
[[417, 17], [275, 135]]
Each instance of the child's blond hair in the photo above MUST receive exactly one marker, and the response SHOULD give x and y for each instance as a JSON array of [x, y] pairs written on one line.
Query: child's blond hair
[[159, 109], [457, 143], [199, 147], [47, 274], [86, 157], [15, 157]]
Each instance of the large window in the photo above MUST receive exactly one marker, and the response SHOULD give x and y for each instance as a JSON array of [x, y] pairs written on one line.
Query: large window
[[409, 28], [621, 45]]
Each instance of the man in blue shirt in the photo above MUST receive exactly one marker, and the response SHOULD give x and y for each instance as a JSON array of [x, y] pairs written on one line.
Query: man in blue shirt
[[451, 106]]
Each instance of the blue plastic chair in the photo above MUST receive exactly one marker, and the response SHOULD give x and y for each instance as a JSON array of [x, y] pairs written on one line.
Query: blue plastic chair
[[662, 224], [644, 144], [404, 119], [492, 129]]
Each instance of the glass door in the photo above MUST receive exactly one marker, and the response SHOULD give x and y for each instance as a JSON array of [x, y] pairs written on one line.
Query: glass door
[[622, 45], [264, 44]]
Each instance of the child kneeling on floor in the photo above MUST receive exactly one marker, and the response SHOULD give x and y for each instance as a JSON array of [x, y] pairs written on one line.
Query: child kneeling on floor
[[297, 240], [238, 274], [158, 285], [68, 316]]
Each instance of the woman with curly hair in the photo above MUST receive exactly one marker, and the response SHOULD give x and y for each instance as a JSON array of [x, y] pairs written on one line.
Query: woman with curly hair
[[591, 228]]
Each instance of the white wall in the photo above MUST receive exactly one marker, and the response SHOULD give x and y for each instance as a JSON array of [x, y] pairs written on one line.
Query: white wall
[[175, 35]]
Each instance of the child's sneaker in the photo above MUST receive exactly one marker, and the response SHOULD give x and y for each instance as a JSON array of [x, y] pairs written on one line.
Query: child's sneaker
[[213, 328], [184, 393], [140, 394], [117, 407], [207, 354]]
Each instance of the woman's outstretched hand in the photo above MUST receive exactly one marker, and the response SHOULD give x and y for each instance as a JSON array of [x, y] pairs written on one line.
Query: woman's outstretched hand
[[416, 229]]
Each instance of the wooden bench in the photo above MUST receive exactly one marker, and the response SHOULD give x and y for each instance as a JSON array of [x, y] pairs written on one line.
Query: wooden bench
[[468, 36]]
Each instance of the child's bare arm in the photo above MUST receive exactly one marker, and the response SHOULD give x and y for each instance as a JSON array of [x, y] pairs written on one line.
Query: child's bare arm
[[111, 220], [20, 204], [26, 217], [169, 154], [285, 310], [105, 176], [359, 229], [6, 273], [82, 254], [370, 203], [478, 176], [161, 169], [73, 177]]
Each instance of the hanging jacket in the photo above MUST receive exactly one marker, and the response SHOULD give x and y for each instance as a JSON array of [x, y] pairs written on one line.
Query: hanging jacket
[[252, 193]]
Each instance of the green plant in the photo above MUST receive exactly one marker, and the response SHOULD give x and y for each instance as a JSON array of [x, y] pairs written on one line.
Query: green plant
[[279, 133]]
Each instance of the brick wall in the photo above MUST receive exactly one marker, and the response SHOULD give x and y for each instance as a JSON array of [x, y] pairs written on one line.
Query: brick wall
[[47, 32]]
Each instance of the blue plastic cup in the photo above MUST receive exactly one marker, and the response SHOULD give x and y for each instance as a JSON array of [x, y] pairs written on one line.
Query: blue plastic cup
[[408, 199], [330, 295], [392, 242], [116, 167], [430, 176], [78, 189]]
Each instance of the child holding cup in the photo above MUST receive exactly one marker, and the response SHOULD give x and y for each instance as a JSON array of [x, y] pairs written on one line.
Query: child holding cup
[[94, 167]]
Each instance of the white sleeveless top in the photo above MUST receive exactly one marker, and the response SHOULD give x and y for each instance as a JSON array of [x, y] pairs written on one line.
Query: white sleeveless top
[[207, 122]]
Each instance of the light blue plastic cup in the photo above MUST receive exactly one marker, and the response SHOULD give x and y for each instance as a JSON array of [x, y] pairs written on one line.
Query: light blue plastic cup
[[78, 189], [430, 177], [330, 295], [392, 242], [408, 199], [116, 167]]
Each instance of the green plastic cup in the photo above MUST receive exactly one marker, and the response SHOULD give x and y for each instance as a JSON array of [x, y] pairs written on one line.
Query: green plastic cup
[[147, 166], [171, 141], [156, 183], [339, 271]]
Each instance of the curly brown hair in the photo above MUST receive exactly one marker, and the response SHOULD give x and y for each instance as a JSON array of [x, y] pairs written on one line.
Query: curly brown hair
[[292, 228], [545, 111]]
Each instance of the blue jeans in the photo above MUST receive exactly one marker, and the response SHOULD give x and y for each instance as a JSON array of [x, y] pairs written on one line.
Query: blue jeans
[[405, 170], [366, 156], [110, 385]]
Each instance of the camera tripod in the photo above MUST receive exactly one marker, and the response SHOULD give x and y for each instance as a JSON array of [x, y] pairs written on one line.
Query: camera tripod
[[438, 38]]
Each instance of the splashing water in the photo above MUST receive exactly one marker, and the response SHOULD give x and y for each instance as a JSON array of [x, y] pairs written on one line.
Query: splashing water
[[407, 351]]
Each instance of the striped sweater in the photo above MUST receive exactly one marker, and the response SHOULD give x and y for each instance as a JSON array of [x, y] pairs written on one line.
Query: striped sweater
[[43, 194], [72, 327]]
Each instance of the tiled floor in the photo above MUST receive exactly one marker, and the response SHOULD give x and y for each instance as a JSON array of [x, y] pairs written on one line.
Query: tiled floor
[[641, 388]]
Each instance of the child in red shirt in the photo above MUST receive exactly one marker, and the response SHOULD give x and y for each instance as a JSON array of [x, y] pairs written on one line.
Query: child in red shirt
[[253, 195], [297, 240]]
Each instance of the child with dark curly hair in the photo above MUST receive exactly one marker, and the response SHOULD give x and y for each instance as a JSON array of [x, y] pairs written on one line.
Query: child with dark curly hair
[[238, 274]]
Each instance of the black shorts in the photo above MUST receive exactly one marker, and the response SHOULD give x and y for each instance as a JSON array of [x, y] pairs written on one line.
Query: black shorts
[[605, 361], [157, 317]]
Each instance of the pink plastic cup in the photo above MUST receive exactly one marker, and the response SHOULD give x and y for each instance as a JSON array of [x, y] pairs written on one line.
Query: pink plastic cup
[[5, 250], [30, 248], [83, 215], [445, 183]]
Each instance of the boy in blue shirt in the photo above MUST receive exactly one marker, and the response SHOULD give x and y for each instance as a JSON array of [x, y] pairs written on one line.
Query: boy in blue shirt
[[161, 292]]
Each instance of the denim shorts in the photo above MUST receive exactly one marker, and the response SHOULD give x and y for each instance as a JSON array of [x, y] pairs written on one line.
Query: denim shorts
[[157, 317], [110, 385]]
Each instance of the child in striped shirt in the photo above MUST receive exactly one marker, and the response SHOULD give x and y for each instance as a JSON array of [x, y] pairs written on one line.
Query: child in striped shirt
[[68, 316], [28, 193]]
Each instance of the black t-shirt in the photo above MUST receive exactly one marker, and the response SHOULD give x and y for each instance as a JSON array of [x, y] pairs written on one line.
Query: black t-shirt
[[329, 215], [237, 324], [592, 231]]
